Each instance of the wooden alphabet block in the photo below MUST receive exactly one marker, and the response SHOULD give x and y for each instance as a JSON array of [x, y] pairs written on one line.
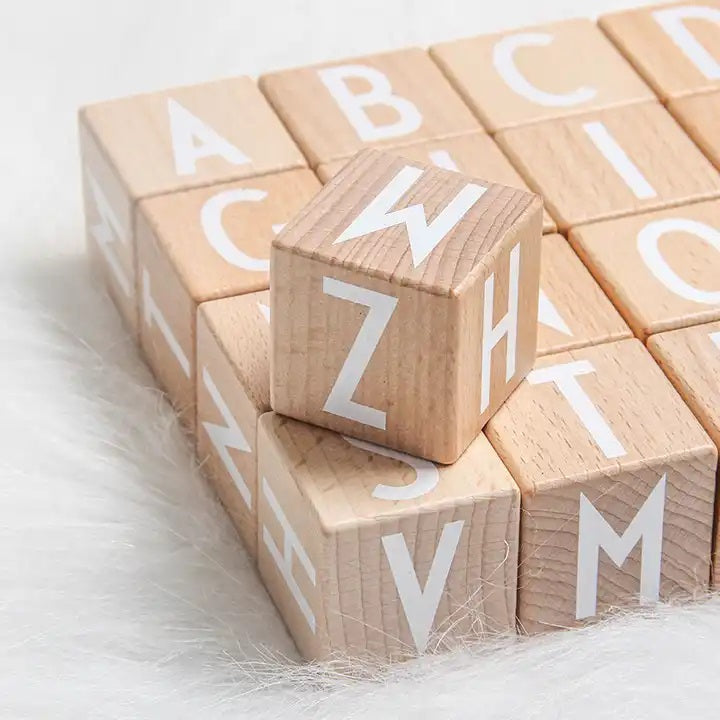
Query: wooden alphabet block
[[200, 245], [611, 163], [404, 301], [162, 142], [397, 98], [573, 311], [608, 457], [539, 73], [369, 551], [233, 390], [675, 47], [475, 154], [699, 114], [662, 270]]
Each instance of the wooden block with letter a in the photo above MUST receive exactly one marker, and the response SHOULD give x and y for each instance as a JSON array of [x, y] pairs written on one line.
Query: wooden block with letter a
[[404, 304], [369, 551], [608, 457], [147, 145], [233, 390]]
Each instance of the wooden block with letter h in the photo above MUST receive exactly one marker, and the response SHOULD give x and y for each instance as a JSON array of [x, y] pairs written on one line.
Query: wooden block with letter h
[[404, 304]]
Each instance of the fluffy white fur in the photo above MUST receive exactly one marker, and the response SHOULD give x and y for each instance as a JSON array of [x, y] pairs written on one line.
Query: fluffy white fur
[[123, 590]]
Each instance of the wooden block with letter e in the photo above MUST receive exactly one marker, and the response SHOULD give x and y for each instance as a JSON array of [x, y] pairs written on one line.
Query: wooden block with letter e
[[404, 304], [233, 390], [662, 269], [608, 457], [147, 145], [699, 114], [369, 551], [205, 244]]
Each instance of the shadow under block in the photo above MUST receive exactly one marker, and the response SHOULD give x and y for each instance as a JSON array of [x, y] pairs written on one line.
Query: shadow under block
[[539, 73], [662, 269], [369, 551], [700, 117], [676, 48], [608, 457], [233, 390], [611, 163], [573, 311], [396, 98], [404, 304], [475, 154], [162, 142], [200, 245]]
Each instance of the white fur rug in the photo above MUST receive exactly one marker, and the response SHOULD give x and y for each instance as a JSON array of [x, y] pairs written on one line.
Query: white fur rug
[[123, 590]]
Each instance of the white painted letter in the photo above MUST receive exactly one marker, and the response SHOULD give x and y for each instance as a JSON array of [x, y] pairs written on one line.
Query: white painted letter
[[442, 159], [550, 316], [715, 337]]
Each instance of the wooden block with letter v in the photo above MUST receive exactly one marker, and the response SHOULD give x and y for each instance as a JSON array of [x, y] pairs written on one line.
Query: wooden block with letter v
[[162, 142], [404, 304], [369, 551], [608, 457]]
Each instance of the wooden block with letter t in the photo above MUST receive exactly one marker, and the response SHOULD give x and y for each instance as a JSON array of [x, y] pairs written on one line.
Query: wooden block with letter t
[[233, 390], [608, 457], [162, 142], [369, 551], [404, 304]]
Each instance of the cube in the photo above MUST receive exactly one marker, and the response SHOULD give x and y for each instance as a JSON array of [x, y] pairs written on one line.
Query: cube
[[607, 457], [367, 551], [698, 114], [404, 301]]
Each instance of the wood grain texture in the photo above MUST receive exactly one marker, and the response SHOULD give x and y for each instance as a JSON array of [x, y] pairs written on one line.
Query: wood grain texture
[[665, 63], [655, 267], [233, 390], [428, 107], [573, 310], [331, 494], [698, 114], [612, 438], [423, 361], [580, 184], [573, 62]]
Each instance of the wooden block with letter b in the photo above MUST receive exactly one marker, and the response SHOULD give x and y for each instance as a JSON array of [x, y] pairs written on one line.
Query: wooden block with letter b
[[404, 304], [608, 457], [369, 551]]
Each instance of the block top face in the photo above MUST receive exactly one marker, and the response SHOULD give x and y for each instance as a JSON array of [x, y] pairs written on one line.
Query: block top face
[[351, 482], [698, 114], [539, 73], [191, 136], [396, 98], [597, 410], [676, 48], [218, 238], [410, 224]]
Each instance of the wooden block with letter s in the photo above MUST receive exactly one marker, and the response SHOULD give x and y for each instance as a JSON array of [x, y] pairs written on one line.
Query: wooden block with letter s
[[404, 304]]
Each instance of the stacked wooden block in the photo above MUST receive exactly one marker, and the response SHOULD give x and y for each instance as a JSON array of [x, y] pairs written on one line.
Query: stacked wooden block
[[401, 305]]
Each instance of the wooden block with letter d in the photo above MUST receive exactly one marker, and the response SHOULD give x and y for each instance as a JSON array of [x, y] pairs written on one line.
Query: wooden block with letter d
[[369, 551], [608, 458], [404, 304]]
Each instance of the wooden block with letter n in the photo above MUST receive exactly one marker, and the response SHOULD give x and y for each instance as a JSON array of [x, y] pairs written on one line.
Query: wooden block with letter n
[[233, 390], [608, 458], [369, 551], [158, 143], [201, 245], [404, 304]]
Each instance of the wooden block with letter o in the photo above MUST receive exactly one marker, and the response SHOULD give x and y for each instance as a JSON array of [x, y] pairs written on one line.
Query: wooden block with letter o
[[369, 551], [233, 390], [608, 458], [162, 142], [404, 304]]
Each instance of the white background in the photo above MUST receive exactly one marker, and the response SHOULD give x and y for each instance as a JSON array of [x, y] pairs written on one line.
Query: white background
[[123, 591]]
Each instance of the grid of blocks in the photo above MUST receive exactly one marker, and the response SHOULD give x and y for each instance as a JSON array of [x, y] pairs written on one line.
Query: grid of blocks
[[594, 484]]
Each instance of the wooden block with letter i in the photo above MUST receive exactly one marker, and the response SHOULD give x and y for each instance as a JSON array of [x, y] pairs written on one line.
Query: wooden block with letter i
[[369, 551], [608, 458], [404, 304]]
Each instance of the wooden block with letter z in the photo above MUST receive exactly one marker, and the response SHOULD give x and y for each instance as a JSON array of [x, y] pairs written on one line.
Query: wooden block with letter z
[[404, 304], [369, 551], [608, 458]]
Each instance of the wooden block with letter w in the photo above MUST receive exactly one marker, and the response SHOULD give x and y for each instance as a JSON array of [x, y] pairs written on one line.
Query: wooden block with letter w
[[404, 304]]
